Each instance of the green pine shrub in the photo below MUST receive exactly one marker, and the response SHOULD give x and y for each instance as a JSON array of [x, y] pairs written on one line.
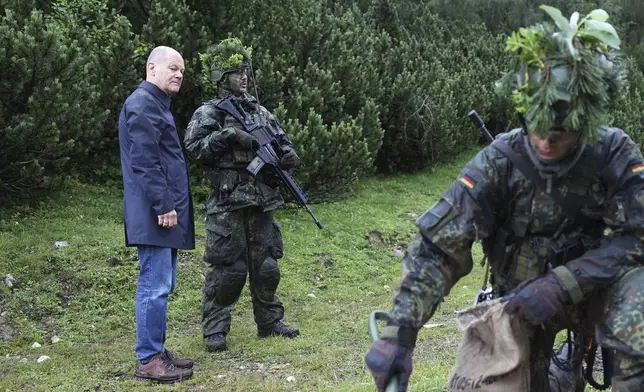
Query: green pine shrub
[[48, 104], [109, 46], [332, 158], [439, 70], [626, 112]]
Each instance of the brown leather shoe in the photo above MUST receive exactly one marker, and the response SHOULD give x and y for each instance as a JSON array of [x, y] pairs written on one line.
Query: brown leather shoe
[[160, 370], [183, 363]]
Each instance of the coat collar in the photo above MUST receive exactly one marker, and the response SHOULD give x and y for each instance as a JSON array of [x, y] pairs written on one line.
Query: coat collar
[[157, 92]]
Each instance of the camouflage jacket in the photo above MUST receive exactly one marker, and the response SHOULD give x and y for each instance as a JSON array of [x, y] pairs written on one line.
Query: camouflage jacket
[[607, 180], [210, 140]]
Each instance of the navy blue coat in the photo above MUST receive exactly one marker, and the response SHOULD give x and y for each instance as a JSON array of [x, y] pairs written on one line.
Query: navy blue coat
[[155, 175]]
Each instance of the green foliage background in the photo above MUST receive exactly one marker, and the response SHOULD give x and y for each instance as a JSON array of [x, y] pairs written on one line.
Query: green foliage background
[[361, 86]]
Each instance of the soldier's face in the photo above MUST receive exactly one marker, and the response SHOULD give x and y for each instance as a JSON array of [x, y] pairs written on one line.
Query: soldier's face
[[238, 82], [168, 73], [555, 146]]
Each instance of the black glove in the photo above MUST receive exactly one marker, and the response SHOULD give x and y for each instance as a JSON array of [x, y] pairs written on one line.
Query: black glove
[[537, 300], [289, 160], [246, 140], [386, 359]]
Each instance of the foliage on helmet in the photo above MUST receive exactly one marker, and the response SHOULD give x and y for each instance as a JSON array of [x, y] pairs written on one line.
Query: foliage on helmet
[[573, 61], [227, 56]]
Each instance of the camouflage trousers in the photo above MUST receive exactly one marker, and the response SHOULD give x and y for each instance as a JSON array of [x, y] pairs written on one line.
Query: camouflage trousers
[[616, 316], [240, 243]]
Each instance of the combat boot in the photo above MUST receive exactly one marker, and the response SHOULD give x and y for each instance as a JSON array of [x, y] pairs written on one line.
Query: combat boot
[[160, 370], [278, 329], [216, 342], [184, 363]]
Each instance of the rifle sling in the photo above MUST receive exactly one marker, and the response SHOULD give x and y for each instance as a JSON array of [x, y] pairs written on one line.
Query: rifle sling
[[227, 106]]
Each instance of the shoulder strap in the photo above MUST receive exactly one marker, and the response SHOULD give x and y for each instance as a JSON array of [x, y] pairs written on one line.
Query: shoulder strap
[[227, 106], [570, 207]]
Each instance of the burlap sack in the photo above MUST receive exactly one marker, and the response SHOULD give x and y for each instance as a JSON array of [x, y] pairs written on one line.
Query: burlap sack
[[494, 354]]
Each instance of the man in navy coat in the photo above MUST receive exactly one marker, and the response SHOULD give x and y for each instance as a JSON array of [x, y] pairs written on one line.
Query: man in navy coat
[[157, 207]]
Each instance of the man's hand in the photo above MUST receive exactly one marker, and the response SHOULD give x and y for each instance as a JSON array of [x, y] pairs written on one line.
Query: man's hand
[[386, 359], [246, 140], [537, 300], [289, 160], [168, 220]]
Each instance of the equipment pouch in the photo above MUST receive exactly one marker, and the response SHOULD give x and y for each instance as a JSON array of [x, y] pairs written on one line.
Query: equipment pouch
[[561, 253]]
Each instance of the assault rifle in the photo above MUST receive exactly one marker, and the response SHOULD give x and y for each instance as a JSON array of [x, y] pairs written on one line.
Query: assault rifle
[[269, 153]]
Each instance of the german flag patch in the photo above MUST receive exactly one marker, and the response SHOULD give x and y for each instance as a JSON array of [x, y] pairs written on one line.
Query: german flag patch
[[638, 167], [468, 182]]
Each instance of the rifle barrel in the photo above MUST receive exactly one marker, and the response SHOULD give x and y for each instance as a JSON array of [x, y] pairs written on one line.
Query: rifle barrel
[[315, 219], [478, 122]]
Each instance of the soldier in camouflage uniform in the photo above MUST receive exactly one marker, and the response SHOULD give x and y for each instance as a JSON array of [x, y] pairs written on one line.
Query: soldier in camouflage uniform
[[522, 227], [242, 238]]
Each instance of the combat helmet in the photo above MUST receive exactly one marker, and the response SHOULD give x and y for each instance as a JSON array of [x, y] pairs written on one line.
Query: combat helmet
[[227, 56], [566, 73]]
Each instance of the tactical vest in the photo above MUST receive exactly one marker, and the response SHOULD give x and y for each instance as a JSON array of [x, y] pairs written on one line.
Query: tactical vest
[[240, 158], [537, 234], [232, 185]]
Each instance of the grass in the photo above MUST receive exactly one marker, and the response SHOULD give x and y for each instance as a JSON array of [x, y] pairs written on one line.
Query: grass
[[331, 280]]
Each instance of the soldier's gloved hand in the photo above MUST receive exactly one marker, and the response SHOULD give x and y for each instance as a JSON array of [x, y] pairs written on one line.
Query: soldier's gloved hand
[[537, 300], [289, 160], [246, 140], [386, 359]]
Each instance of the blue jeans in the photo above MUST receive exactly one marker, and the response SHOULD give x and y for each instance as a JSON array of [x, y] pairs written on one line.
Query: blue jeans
[[157, 278]]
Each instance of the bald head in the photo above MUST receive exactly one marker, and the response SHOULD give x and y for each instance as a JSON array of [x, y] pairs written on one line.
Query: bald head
[[160, 54], [165, 69]]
